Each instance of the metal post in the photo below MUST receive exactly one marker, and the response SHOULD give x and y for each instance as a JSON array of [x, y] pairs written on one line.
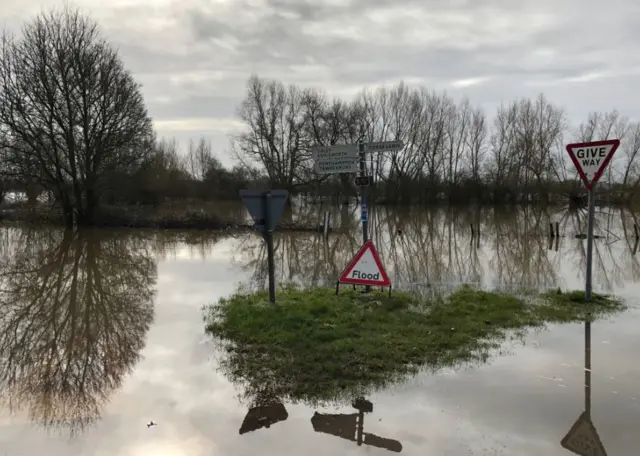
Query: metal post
[[587, 368], [268, 235], [363, 197], [363, 192], [591, 216]]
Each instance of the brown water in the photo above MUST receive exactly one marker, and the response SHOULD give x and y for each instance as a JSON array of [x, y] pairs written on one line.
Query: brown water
[[102, 333]]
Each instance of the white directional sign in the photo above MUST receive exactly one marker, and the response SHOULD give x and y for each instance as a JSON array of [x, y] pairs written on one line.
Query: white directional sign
[[385, 146], [336, 166], [592, 158], [339, 158], [335, 151]]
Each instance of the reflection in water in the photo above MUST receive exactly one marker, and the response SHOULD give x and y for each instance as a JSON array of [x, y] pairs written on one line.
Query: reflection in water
[[439, 248], [74, 312], [266, 410], [583, 438], [350, 426]]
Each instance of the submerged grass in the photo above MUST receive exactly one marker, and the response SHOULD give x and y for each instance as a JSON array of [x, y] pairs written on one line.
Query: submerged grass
[[314, 346]]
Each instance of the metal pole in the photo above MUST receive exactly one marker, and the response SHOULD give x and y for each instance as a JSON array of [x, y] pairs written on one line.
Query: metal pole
[[363, 193], [268, 234], [587, 368], [363, 197], [360, 428], [591, 215]]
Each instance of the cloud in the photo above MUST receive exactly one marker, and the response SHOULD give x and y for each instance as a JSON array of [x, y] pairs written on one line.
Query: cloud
[[214, 125], [581, 53]]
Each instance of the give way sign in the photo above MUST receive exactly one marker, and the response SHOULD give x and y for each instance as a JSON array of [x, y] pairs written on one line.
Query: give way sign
[[592, 158]]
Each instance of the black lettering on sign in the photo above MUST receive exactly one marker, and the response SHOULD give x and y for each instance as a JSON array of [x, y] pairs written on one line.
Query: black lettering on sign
[[588, 162], [363, 275], [591, 156]]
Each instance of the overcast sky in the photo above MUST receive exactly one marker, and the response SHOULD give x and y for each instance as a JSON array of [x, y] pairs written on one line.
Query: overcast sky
[[193, 57]]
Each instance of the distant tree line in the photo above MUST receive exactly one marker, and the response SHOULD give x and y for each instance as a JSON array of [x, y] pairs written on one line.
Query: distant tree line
[[74, 127], [453, 151]]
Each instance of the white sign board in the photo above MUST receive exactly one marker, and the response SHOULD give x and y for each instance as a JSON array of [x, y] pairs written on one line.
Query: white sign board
[[340, 158], [345, 165], [385, 146], [335, 151]]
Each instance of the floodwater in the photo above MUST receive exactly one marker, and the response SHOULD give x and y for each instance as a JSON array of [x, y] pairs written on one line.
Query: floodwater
[[102, 333]]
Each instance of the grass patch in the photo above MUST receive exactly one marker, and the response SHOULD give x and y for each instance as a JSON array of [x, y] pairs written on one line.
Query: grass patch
[[314, 346]]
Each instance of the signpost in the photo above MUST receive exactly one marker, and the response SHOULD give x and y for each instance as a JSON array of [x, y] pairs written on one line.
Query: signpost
[[365, 269], [591, 159], [339, 158], [266, 208], [351, 158], [363, 148]]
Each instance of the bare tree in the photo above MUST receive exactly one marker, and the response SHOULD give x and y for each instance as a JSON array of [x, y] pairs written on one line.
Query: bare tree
[[275, 135], [476, 144], [448, 145], [71, 111], [200, 159], [631, 148]]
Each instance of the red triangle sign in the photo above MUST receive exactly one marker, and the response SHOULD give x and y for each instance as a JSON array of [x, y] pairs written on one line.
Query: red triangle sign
[[365, 268], [592, 158]]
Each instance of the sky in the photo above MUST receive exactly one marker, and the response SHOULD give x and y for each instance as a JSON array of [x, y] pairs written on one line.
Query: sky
[[193, 57]]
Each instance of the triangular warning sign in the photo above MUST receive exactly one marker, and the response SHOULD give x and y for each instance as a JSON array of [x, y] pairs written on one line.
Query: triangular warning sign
[[365, 268], [592, 158], [583, 438]]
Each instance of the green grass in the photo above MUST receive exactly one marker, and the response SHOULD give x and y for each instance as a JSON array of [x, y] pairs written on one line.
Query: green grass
[[314, 346]]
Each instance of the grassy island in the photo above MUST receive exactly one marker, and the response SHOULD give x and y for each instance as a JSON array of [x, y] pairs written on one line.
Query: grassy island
[[316, 346]]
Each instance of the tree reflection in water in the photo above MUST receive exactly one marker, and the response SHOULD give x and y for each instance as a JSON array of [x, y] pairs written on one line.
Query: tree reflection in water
[[74, 312], [436, 249]]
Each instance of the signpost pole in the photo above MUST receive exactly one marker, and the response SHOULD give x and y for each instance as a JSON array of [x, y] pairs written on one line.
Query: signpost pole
[[268, 235], [363, 198], [587, 368], [591, 160], [591, 216], [363, 193]]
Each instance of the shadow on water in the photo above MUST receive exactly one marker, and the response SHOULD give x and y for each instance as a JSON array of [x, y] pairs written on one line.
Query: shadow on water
[[265, 411], [268, 410], [350, 426], [583, 438], [74, 312]]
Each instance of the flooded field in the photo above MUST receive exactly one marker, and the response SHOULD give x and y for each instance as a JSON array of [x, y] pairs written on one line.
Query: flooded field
[[103, 349]]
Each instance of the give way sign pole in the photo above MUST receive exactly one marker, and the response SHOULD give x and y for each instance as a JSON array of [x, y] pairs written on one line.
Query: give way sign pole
[[591, 159]]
